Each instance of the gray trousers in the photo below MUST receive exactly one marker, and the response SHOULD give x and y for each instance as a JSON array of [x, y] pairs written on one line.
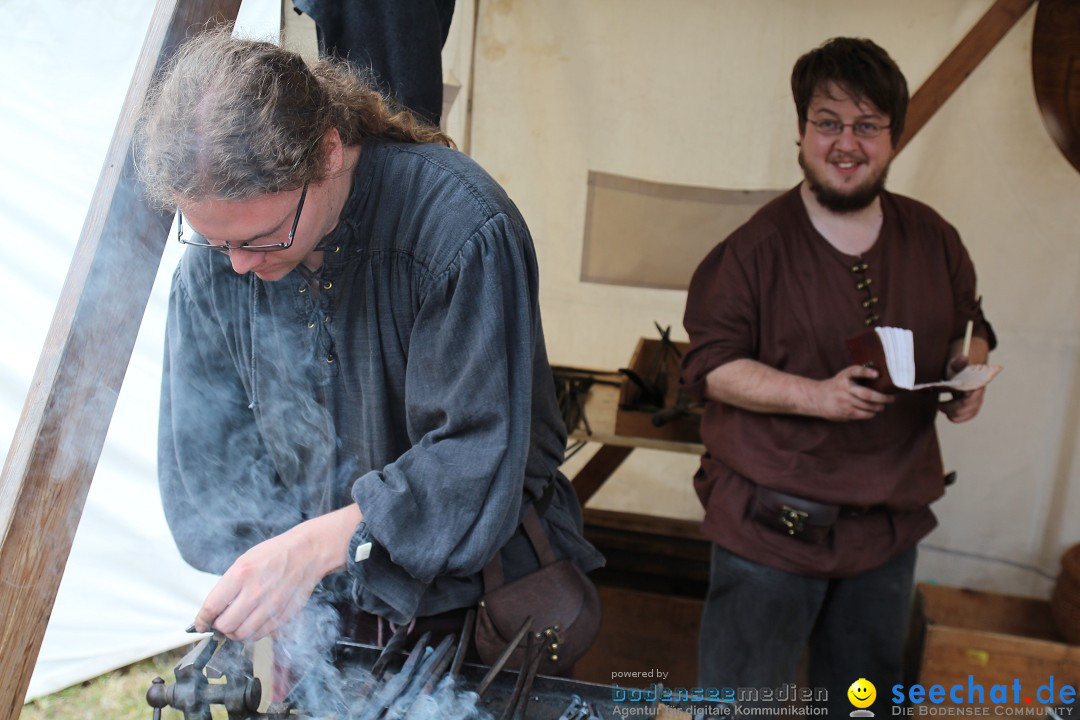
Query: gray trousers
[[757, 621]]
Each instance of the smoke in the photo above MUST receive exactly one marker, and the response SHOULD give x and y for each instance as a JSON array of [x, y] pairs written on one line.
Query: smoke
[[248, 444], [258, 434], [448, 702], [303, 656], [419, 688]]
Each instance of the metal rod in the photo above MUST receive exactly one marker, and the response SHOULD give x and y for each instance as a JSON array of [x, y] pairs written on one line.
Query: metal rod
[[498, 664], [526, 691], [394, 685], [463, 646], [521, 678], [395, 644]]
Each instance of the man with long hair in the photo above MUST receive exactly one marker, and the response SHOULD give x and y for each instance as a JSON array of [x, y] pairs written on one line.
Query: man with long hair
[[356, 400]]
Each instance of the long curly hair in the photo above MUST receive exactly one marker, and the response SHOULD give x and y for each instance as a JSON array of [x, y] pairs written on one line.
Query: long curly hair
[[232, 119]]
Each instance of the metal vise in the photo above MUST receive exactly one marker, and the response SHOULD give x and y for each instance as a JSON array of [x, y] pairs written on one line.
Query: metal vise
[[213, 658]]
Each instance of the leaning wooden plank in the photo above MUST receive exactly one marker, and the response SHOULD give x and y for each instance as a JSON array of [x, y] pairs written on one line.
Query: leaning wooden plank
[[965, 57], [596, 472], [71, 400]]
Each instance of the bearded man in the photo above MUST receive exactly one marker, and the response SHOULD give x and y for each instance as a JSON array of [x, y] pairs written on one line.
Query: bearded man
[[817, 487]]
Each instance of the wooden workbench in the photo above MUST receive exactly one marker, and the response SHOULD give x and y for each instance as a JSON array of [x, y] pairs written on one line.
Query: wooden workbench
[[601, 407]]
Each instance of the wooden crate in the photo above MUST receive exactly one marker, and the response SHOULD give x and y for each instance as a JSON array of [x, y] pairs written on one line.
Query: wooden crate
[[648, 363], [995, 639]]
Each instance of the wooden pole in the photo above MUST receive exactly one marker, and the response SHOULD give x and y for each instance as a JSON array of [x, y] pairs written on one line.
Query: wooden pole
[[961, 62], [67, 412]]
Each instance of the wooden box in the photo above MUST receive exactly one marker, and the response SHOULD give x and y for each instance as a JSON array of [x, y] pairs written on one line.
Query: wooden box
[[659, 368], [996, 640]]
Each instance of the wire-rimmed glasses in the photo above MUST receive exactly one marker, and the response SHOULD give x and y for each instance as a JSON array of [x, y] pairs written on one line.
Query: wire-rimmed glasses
[[200, 241], [861, 128]]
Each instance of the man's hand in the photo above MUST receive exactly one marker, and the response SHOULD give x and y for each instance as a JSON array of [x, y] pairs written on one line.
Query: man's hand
[[842, 397], [754, 386], [964, 405], [269, 584]]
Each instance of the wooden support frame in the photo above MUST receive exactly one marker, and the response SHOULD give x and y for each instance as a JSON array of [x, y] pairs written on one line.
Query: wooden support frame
[[599, 468], [961, 62], [67, 412]]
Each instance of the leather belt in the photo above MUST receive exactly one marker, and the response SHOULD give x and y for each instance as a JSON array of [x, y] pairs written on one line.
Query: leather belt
[[800, 517]]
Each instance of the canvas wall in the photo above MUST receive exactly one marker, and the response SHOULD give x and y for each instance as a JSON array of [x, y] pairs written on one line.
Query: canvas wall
[[126, 594]]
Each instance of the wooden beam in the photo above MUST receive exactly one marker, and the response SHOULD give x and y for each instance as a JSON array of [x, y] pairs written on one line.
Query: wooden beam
[[965, 57], [599, 468], [67, 412]]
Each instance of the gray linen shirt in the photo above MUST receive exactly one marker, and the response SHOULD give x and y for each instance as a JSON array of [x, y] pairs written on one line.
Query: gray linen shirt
[[415, 383]]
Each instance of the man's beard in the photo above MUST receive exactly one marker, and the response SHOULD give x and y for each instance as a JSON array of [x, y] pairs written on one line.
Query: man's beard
[[843, 202]]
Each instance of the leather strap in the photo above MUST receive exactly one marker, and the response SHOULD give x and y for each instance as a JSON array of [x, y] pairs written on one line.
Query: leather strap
[[534, 531], [539, 539]]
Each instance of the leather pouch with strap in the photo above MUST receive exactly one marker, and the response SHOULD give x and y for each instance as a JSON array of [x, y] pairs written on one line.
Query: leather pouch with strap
[[792, 515], [561, 600]]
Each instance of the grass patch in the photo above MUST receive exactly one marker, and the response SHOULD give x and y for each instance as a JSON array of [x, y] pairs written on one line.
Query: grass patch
[[118, 695]]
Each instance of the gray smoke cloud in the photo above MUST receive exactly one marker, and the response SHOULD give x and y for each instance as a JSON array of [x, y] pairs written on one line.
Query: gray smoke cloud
[[250, 448], [419, 687]]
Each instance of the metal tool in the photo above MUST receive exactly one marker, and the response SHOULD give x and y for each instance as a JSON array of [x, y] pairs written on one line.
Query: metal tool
[[497, 666], [213, 657], [432, 669], [579, 709], [529, 667], [395, 644], [397, 683], [420, 683], [652, 382], [463, 646]]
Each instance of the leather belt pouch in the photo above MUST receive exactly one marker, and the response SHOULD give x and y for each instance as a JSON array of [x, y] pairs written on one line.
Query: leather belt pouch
[[562, 602], [792, 515]]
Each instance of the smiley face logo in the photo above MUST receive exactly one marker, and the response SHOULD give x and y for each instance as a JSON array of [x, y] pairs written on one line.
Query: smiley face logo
[[862, 693]]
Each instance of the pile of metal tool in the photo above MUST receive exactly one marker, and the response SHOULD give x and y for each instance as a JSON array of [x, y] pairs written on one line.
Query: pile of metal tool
[[656, 385], [428, 681], [572, 386]]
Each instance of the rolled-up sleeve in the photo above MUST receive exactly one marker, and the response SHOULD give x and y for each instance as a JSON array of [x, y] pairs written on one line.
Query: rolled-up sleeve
[[721, 316], [449, 502]]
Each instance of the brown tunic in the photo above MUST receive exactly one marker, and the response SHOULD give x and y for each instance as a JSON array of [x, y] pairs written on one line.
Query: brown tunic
[[777, 292]]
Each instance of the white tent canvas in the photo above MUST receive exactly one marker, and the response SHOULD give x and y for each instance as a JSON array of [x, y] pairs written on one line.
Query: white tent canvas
[[687, 92], [126, 594]]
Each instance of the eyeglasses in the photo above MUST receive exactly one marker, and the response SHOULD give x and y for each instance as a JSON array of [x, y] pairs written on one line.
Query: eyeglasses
[[862, 128], [200, 241]]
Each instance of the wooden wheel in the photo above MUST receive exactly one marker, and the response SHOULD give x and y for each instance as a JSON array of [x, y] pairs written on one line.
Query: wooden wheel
[[1055, 67]]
